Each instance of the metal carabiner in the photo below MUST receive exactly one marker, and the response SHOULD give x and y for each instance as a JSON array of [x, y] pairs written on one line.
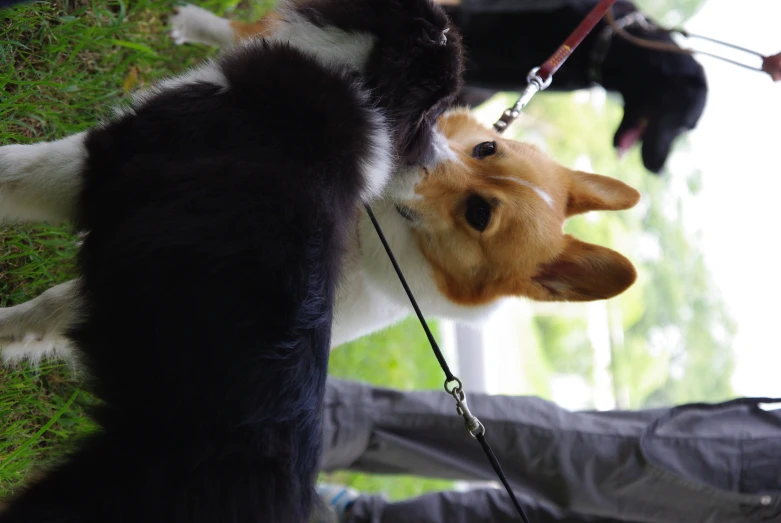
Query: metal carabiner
[[534, 84], [473, 425]]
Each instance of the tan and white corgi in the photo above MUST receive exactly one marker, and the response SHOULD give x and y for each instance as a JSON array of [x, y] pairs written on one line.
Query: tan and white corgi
[[483, 224]]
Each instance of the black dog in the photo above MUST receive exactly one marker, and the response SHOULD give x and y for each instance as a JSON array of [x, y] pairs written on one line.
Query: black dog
[[217, 208], [9, 3], [664, 93]]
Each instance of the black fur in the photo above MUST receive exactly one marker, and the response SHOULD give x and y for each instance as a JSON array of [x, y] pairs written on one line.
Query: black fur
[[504, 42], [9, 3], [408, 65], [216, 221]]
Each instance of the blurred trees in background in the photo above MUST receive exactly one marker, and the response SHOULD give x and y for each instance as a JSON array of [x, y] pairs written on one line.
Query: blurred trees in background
[[671, 333]]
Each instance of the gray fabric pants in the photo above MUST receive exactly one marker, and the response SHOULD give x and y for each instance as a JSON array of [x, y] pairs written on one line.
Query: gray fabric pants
[[690, 464]]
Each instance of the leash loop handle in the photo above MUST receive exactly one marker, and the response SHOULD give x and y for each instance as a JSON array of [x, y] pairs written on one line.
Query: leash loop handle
[[458, 386]]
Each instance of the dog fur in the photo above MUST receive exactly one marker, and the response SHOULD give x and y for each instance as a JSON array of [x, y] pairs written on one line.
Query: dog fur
[[218, 209]]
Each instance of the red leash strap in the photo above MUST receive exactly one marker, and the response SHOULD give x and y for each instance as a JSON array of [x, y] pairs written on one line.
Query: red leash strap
[[540, 77], [549, 68]]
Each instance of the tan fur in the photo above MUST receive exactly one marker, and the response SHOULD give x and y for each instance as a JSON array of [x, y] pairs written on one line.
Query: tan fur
[[263, 27], [267, 24], [523, 251]]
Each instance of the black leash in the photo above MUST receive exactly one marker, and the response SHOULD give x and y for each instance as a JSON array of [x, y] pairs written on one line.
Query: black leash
[[539, 78], [473, 425]]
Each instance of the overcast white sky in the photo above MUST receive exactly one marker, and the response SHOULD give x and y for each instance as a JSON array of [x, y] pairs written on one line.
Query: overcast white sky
[[738, 146]]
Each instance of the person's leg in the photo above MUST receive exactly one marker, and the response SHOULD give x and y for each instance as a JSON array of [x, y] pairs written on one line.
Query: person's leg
[[473, 506], [598, 463], [336, 502]]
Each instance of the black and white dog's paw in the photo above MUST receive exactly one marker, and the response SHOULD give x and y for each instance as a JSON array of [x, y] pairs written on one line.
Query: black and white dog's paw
[[11, 160], [33, 348], [30, 332], [15, 344], [40, 182], [193, 24]]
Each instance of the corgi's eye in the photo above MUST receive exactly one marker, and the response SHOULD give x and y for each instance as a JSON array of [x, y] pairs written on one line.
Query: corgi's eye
[[478, 212], [484, 149]]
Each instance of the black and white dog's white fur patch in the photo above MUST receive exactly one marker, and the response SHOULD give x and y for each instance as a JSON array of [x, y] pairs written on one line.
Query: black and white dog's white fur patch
[[217, 209]]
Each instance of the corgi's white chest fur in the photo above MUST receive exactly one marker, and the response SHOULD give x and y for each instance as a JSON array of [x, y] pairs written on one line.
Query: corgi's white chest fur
[[370, 296]]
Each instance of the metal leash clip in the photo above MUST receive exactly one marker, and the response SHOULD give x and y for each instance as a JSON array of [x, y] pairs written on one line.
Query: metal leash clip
[[473, 425], [534, 84]]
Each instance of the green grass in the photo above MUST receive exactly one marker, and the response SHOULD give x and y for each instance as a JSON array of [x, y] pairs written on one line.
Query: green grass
[[63, 66], [32, 260]]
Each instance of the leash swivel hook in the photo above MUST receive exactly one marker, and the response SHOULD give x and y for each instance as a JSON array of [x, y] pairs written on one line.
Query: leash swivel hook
[[534, 84], [473, 425]]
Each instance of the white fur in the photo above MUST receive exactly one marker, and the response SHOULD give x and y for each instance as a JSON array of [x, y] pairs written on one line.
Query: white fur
[[329, 45], [34, 330], [402, 186], [370, 296], [442, 150], [378, 166], [40, 182], [193, 24], [381, 277], [541, 193], [360, 307], [209, 73]]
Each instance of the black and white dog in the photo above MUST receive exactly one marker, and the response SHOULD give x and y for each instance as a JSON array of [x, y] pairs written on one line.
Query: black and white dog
[[217, 208]]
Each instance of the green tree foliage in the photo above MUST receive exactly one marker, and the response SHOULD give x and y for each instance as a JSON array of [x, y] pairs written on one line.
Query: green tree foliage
[[670, 12]]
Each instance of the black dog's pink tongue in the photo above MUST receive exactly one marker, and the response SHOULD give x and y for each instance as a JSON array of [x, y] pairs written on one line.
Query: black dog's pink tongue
[[629, 138]]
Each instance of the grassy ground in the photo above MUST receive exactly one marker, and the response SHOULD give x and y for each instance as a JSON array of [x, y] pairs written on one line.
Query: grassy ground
[[63, 66]]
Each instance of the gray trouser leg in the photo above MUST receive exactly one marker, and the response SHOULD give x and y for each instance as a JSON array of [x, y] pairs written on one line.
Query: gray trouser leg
[[703, 464], [474, 506]]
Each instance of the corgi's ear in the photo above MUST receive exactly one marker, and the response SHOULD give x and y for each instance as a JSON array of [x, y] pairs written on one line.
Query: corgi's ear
[[593, 192], [583, 272]]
